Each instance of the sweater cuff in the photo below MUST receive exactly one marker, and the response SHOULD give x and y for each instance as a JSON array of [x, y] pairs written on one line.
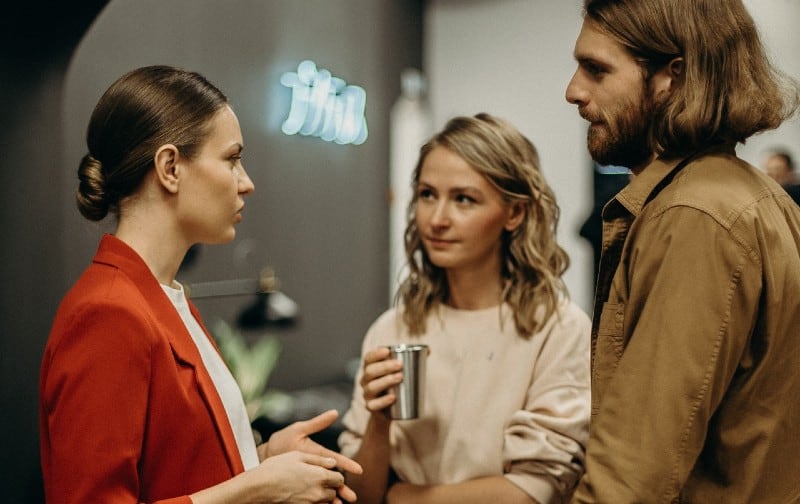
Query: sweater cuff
[[539, 489]]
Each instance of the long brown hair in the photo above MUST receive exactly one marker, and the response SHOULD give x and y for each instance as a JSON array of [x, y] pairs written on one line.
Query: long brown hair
[[728, 91], [532, 263]]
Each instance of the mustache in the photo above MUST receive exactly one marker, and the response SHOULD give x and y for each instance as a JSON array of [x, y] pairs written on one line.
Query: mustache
[[592, 118]]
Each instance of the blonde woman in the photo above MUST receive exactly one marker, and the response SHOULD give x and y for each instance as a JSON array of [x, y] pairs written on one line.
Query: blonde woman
[[507, 391]]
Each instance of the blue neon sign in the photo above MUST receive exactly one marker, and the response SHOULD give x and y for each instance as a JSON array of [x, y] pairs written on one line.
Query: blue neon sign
[[324, 106]]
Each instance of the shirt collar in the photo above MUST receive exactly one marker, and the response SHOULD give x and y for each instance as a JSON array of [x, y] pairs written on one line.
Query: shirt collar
[[641, 189]]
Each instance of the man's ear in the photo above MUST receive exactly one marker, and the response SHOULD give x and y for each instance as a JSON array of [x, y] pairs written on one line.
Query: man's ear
[[668, 77], [516, 216], [166, 164]]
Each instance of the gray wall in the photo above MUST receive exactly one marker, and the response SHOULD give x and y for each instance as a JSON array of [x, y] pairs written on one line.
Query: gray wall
[[319, 214]]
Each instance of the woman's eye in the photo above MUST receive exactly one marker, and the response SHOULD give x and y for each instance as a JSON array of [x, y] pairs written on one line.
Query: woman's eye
[[424, 194], [464, 199]]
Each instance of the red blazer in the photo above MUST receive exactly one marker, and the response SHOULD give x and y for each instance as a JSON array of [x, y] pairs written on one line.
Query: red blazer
[[128, 413]]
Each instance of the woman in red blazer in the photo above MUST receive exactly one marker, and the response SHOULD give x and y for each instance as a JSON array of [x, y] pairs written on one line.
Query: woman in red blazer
[[136, 404]]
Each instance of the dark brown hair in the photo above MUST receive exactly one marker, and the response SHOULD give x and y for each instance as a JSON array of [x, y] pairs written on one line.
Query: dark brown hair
[[144, 109], [728, 91]]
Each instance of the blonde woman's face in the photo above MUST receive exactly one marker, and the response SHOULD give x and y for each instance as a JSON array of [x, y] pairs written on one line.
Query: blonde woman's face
[[459, 215]]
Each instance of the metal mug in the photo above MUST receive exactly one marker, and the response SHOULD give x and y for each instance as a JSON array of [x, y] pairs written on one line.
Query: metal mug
[[410, 393]]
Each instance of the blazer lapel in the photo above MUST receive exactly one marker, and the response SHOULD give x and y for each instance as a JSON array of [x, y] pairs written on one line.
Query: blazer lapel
[[116, 253]]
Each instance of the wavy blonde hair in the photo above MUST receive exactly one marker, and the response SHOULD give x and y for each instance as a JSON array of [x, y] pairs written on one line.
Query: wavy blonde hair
[[532, 263]]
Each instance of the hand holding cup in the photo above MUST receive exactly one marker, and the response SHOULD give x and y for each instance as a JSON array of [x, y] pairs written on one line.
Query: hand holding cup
[[393, 380], [379, 376]]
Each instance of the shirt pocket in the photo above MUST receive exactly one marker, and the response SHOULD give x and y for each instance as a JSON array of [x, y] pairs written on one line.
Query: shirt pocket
[[608, 347]]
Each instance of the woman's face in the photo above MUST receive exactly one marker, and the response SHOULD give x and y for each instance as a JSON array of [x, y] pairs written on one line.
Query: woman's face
[[460, 216], [214, 183]]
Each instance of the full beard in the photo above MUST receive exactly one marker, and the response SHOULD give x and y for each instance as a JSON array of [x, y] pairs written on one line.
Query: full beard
[[624, 140]]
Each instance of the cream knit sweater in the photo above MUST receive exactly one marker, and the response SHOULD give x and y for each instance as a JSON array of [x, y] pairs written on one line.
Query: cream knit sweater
[[495, 403]]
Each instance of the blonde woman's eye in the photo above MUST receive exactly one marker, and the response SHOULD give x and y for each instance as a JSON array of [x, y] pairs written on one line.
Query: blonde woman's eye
[[424, 194]]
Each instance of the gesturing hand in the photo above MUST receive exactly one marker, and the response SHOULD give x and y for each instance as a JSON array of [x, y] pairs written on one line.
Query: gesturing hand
[[297, 477], [296, 437]]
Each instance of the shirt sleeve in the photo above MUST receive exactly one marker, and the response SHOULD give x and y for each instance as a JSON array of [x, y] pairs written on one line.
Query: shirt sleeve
[[356, 418], [543, 451], [94, 389], [693, 296]]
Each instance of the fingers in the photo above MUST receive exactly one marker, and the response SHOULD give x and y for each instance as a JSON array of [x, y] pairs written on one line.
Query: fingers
[[347, 493], [332, 478], [346, 464], [318, 423], [379, 375], [340, 461], [375, 355]]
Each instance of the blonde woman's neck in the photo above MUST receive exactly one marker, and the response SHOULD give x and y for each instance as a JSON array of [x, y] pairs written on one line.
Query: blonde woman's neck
[[471, 291]]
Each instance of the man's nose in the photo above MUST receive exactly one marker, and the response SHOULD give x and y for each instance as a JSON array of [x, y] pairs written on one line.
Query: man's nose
[[576, 93]]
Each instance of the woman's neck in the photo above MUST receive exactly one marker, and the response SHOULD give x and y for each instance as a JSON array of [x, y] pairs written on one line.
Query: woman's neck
[[471, 291], [158, 245]]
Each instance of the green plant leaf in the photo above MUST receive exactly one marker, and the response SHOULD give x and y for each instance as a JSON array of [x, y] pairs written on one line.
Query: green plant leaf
[[251, 367]]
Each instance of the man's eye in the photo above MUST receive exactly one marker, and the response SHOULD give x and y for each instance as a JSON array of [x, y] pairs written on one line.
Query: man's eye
[[593, 69]]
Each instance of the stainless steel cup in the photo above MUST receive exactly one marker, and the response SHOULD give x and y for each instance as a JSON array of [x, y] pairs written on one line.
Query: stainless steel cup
[[410, 392]]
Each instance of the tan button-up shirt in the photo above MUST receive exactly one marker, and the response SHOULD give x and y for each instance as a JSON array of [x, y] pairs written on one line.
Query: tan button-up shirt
[[696, 339]]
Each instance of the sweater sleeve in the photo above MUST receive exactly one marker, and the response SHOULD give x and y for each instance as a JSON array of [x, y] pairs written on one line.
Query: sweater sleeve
[[357, 416], [543, 451]]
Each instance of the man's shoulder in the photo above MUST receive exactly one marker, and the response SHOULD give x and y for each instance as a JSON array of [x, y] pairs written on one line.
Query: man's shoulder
[[721, 185]]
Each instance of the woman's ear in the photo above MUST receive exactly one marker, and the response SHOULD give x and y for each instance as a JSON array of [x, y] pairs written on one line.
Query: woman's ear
[[166, 164], [515, 217]]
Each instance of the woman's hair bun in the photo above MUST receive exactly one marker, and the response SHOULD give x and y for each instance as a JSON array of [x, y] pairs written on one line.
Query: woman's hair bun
[[91, 196]]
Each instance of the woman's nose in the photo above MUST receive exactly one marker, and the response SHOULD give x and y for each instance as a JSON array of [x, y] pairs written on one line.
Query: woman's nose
[[246, 185], [441, 215]]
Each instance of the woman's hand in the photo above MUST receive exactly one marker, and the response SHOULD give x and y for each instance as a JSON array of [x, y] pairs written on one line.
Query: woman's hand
[[297, 477], [296, 438], [292, 478], [378, 376]]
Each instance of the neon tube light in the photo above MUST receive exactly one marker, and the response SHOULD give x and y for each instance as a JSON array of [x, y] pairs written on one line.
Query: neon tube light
[[324, 106]]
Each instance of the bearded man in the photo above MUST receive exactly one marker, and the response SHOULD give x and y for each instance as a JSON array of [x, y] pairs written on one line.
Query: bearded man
[[696, 330]]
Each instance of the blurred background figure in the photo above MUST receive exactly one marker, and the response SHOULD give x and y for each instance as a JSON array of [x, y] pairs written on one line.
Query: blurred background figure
[[779, 165]]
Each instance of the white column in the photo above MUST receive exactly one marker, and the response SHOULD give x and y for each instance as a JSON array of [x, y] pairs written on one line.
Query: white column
[[411, 125]]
